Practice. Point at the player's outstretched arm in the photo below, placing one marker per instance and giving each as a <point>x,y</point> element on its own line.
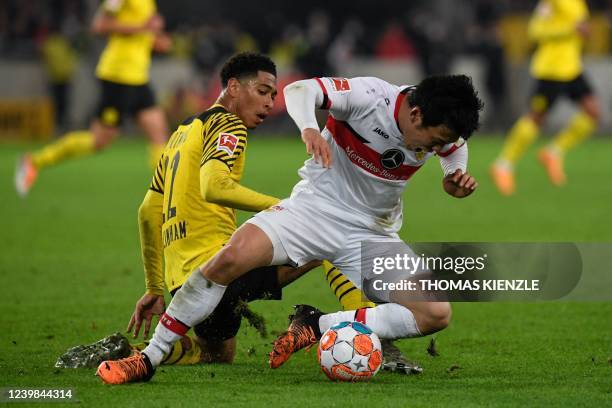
<point>288,274</point>
<point>302,99</point>
<point>217,186</point>
<point>151,246</point>
<point>150,221</point>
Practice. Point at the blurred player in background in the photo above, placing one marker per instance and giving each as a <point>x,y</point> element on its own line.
<point>559,28</point>
<point>134,30</point>
<point>61,61</point>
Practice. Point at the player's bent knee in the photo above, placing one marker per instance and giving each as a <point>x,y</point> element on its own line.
<point>100,144</point>
<point>594,112</point>
<point>590,106</point>
<point>437,317</point>
<point>441,315</point>
<point>223,266</point>
<point>102,140</point>
<point>538,117</point>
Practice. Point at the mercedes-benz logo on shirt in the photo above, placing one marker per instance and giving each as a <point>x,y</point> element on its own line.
<point>392,159</point>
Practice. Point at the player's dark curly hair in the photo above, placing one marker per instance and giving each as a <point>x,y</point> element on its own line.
<point>449,100</point>
<point>246,64</point>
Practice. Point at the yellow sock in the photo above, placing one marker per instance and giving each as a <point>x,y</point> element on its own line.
<point>349,296</point>
<point>73,144</point>
<point>521,136</point>
<point>581,127</point>
<point>155,152</point>
<point>179,355</point>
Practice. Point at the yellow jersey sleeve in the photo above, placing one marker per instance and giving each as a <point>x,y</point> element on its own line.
<point>150,221</point>
<point>157,184</point>
<point>224,139</point>
<point>218,187</point>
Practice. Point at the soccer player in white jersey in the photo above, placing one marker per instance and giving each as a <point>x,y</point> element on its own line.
<point>376,137</point>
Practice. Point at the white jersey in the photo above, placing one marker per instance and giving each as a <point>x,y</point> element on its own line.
<point>371,164</point>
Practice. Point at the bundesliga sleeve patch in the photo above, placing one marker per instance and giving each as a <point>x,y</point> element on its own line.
<point>341,84</point>
<point>227,143</point>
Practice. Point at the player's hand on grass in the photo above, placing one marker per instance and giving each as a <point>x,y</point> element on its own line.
<point>147,306</point>
<point>317,146</point>
<point>459,184</point>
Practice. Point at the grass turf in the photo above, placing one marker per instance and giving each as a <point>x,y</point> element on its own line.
<point>71,269</point>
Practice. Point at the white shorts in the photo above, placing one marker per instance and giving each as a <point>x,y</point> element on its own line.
<point>303,229</point>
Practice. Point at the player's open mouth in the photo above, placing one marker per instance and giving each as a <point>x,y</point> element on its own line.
<point>262,116</point>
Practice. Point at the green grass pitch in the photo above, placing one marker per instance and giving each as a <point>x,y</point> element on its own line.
<point>71,272</point>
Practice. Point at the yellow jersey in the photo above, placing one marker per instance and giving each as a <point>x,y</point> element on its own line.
<point>126,58</point>
<point>553,27</point>
<point>60,59</point>
<point>193,230</point>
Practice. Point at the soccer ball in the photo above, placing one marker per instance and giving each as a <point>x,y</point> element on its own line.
<point>350,351</point>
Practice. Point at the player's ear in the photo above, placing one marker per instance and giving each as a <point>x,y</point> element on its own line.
<point>233,87</point>
<point>416,116</point>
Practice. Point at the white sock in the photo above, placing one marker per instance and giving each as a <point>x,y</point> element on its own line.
<point>161,344</point>
<point>192,303</point>
<point>388,321</point>
<point>328,320</point>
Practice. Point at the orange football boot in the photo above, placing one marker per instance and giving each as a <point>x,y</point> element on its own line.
<point>136,368</point>
<point>303,332</point>
<point>25,175</point>
<point>553,163</point>
<point>503,179</point>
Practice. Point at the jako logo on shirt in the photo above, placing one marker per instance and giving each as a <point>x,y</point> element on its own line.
<point>341,84</point>
<point>381,132</point>
<point>227,143</point>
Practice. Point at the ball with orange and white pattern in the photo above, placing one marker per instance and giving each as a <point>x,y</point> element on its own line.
<point>350,351</point>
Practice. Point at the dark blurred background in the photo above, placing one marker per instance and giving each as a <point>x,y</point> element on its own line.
<point>43,43</point>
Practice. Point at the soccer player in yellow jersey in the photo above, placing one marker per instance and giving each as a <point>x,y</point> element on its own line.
<point>559,28</point>
<point>134,29</point>
<point>188,213</point>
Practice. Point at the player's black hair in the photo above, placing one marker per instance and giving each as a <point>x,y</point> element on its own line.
<point>449,100</point>
<point>246,64</point>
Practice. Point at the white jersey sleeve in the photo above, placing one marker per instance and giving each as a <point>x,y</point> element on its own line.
<point>301,100</point>
<point>349,98</point>
<point>344,98</point>
<point>454,156</point>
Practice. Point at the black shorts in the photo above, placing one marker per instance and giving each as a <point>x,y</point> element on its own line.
<point>119,100</point>
<point>224,322</point>
<point>546,93</point>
